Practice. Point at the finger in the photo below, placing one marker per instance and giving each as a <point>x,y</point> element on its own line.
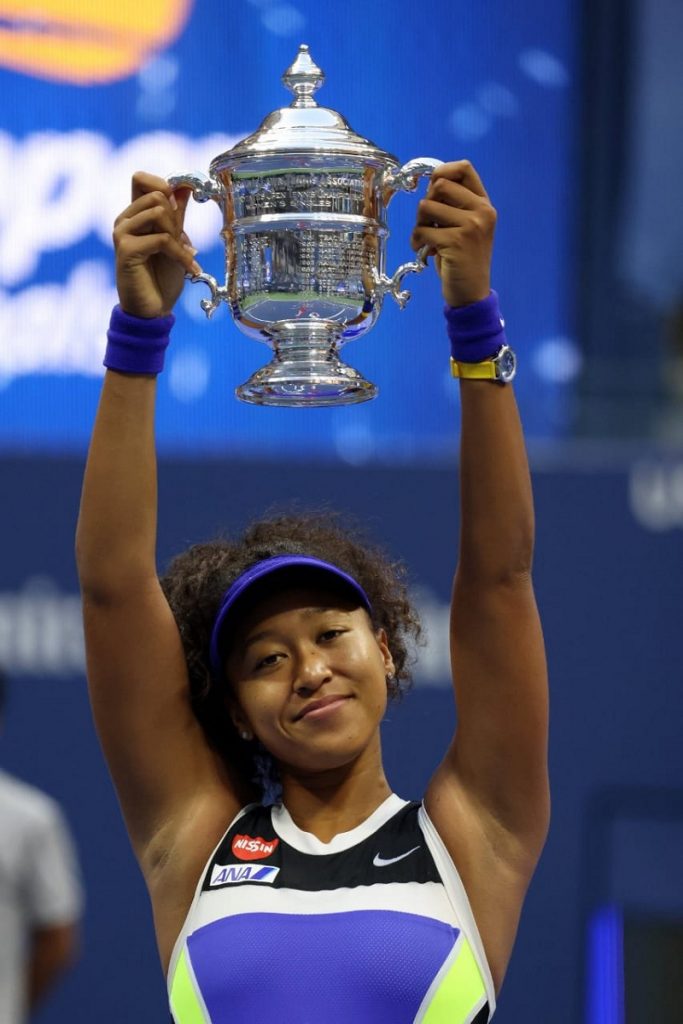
<point>187,242</point>
<point>148,222</point>
<point>147,201</point>
<point>430,213</point>
<point>143,182</point>
<point>455,194</point>
<point>136,249</point>
<point>181,197</point>
<point>435,239</point>
<point>445,226</point>
<point>461,171</point>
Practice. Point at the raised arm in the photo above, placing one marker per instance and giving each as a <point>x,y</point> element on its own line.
<point>162,767</point>
<point>489,798</point>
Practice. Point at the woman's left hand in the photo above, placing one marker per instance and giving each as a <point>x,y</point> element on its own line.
<point>457,222</point>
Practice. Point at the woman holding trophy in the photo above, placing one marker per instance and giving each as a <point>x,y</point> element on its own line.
<point>265,664</point>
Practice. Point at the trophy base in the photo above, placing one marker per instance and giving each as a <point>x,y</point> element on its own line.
<point>306,370</point>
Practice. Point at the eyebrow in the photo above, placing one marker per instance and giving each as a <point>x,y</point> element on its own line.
<point>255,637</point>
<point>266,634</point>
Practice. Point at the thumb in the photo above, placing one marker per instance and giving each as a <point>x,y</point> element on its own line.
<point>182,197</point>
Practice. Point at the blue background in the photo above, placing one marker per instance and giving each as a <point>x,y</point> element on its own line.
<point>443,80</point>
<point>609,551</point>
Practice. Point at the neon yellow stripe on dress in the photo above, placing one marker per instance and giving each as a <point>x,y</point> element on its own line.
<point>185,1005</point>
<point>461,990</point>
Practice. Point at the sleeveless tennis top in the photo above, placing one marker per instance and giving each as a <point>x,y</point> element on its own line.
<point>373,927</point>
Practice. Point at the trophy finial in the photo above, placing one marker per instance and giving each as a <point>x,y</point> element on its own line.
<point>303,78</point>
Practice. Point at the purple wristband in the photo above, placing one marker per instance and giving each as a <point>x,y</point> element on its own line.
<point>477,331</point>
<point>135,344</point>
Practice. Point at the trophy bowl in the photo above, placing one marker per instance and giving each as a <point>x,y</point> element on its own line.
<point>304,202</point>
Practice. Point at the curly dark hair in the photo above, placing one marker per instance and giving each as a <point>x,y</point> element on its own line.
<point>197,579</point>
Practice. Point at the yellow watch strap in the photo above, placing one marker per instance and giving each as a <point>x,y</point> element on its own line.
<point>474,371</point>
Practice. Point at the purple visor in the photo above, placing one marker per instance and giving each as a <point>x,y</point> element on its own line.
<point>258,572</point>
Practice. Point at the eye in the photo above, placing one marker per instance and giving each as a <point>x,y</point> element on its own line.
<point>331,634</point>
<point>268,662</point>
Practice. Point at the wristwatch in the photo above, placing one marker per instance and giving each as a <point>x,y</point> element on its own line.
<point>501,368</point>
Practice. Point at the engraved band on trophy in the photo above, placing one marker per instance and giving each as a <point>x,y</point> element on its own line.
<point>303,202</point>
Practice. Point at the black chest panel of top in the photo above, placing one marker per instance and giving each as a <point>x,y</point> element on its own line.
<point>396,852</point>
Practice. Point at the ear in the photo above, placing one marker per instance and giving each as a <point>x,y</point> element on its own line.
<point>383,644</point>
<point>237,716</point>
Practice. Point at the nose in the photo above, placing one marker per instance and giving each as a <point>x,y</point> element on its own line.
<point>312,671</point>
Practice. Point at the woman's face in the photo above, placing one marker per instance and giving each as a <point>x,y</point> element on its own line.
<point>308,679</point>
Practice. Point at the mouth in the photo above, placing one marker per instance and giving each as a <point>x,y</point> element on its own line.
<point>323,707</point>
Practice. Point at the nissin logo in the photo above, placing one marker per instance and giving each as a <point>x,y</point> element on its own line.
<point>231,874</point>
<point>253,848</point>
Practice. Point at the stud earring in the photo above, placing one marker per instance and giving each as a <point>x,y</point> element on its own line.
<point>246,736</point>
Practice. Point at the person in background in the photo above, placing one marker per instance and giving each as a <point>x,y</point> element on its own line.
<point>41,897</point>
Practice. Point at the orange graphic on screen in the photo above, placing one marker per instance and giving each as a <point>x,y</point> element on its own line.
<point>86,42</point>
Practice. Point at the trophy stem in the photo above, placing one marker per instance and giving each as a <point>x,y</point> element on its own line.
<point>306,369</point>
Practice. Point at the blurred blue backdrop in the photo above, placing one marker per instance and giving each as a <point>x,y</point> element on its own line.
<point>444,81</point>
<point>609,551</point>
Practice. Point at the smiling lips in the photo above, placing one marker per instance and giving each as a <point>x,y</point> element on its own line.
<point>324,706</point>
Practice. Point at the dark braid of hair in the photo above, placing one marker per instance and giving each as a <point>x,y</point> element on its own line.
<point>197,579</point>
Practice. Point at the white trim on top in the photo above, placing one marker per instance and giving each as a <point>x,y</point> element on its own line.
<point>306,842</point>
<point>458,896</point>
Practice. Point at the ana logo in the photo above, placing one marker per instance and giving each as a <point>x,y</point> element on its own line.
<point>231,874</point>
<point>250,848</point>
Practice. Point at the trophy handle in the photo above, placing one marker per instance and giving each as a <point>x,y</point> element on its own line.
<point>392,285</point>
<point>405,179</point>
<point>204,189</point>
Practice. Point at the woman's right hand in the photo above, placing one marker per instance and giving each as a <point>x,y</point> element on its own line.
<point>153,253</point>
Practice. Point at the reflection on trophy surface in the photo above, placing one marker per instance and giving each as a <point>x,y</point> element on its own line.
<point>304,201</point>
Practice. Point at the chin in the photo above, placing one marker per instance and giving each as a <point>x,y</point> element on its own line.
<point>332,754</point>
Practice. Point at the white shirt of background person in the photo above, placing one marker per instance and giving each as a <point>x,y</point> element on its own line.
<point>41,897</point>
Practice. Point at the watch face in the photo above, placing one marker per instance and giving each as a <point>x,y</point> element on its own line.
<point>507,365</point>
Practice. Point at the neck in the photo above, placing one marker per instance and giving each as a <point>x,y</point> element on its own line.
<point>337,800</point>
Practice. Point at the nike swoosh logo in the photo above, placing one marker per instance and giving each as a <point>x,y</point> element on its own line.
<point>380,862</point>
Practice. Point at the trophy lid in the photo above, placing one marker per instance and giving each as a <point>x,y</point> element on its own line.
<point>303,128</point>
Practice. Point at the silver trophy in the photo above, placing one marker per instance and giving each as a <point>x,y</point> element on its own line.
<point>303,202</point>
